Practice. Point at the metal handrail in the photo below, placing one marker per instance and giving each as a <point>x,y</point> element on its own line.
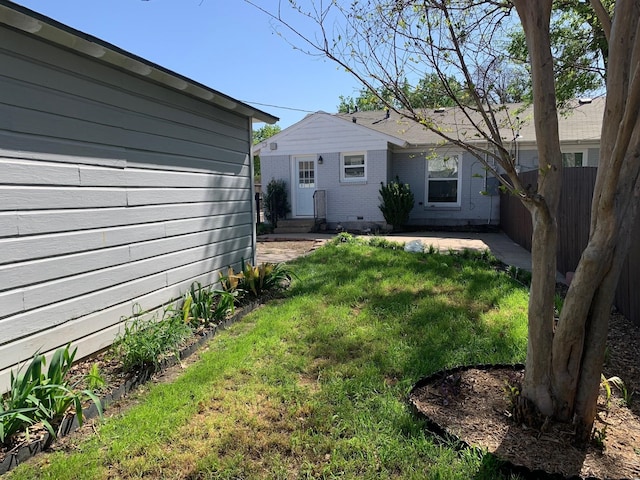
<point>319,205</point>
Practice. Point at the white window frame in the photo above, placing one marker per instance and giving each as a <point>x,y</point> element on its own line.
<point>343,167</point>
<point>458,201</point>
<point>585,159</point>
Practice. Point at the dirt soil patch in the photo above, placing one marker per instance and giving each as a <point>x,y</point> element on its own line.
<point>473,406</point>
<point>275,251</point>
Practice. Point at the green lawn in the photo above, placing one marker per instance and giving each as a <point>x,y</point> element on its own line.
<point>314,385</point>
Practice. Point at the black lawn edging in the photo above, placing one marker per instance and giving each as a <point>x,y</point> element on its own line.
<point>443,433</point>
<point>70,423</point>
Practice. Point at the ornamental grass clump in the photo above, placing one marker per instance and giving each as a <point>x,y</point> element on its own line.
<point>39,396</point>
<point>145,341</point>
<point>204,306</point>
<point>256,280</point>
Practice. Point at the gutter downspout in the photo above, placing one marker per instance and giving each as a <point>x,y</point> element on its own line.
<point>254,235</point>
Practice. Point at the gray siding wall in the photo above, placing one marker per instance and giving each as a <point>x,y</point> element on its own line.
<point>528,156</point>
<point>114,192</point>
<point>346,202</point>
<point>474,209</point>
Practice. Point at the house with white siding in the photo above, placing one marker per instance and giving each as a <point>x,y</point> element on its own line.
<point>335,164</point>
<point>121,183</point>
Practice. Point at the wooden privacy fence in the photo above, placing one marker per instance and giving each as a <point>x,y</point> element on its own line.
<point>574,215</point>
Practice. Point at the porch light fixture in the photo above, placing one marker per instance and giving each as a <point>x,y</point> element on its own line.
<point>320,160</point>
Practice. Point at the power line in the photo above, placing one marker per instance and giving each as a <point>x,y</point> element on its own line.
<point>277,106</point>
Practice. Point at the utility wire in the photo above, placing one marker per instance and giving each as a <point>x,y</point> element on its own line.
<point>276,106</point>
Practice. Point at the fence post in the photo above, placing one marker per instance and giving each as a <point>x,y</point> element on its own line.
<point>257,198</point>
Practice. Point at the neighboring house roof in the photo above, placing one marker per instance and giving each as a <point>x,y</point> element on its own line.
<point>315,122</point>
<point>49,30</point>
<point>581,121</point>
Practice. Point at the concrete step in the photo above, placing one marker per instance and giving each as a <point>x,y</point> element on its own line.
<point>296,225</point>
<point>293,230</point>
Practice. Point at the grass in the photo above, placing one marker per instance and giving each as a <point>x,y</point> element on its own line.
<point>315,385</point>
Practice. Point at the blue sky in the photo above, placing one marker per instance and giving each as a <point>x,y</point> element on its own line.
<point>227,45</point>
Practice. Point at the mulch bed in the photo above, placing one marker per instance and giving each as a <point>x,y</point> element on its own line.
<point>471,405</point>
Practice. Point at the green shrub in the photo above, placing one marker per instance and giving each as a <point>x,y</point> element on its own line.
<point>381,242</point>
<point>344,237</point>
<point>276,201</point>
<point>397,202</point>
<point>263,229</point>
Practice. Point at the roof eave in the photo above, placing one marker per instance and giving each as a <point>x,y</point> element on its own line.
<point>46,28</point>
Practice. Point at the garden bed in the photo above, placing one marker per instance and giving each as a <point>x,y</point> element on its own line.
<point>471,405</point>
<point>118,385</point>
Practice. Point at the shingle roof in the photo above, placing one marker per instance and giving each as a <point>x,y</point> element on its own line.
<point>581,121</point>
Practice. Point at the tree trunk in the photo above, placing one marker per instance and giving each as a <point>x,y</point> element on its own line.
<point>535,17</point>
<point>580,340</point>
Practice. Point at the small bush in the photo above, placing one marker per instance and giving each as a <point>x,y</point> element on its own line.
<point>381,242</point>
<point>397,203</point>
<point>276,201</point>
<point>263,229</point>
<point>344,237</point>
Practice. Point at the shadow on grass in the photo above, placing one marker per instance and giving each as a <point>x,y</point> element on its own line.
<point>424,312</point>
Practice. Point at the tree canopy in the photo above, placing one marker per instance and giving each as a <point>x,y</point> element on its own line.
<point>260,135</point>
<point>579,47</point>
<point>429,92</point>
<point>267,131</point>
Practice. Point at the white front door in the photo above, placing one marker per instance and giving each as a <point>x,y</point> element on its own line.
<point>305,185</point>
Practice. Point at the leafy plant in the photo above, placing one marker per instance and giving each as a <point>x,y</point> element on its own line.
<point>617,382</point>
<point>256,279</point>
<point>620,385</point>
<point>599,437</point>
<point>203,306</point>
<point>263,228</point>
<point>144,341</point>
<point>230,281</point>
<point>276,201</point>
<point>344,237</point>
<point>382,242</point>
<point>225,304</point>
<point>558,302</point>
<point>397,203</point>
<point>14,420</point>
<point>198,305</point>
<point>520,275</point>
<point>42,396</point>
<point>604,383</point>
<point>94,379</point>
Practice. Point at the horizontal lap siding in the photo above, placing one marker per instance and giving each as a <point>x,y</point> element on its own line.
<point>114,192</point>
<point>476,207</point>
